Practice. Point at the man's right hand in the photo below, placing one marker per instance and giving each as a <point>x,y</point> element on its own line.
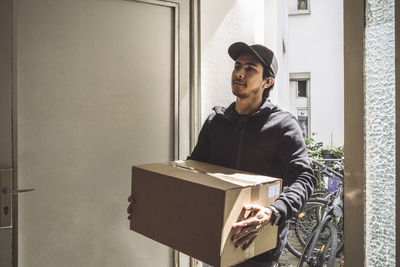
<point>131,200</point>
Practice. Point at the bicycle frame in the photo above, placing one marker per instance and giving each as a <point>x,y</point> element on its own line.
<point>332,211</point>
<point>317,229</point>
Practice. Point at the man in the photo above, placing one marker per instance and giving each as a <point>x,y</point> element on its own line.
<point>254,135</point>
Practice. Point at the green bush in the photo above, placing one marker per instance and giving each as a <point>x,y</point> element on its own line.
<point>318,151</point>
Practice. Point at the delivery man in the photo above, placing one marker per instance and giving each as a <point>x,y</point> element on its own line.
<point>256,136</point>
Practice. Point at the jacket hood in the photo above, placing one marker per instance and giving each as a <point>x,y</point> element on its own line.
<point>266,108</point>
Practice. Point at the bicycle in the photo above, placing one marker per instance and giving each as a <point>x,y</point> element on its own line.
<point>301,225</point>
<point>322,244</point>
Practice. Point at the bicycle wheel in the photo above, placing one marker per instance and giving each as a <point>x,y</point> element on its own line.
<point>292,243</point>
<point>301,226</point>
<point>320,250</point>
<point>340,230</point>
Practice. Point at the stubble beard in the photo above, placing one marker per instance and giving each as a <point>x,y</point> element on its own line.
<point>243,95</point>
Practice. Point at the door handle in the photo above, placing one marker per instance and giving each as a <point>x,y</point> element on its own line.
<point>6,194</point>
<point>5,199</point>
<point>8,191</point>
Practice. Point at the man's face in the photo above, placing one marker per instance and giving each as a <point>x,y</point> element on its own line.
<point>247,78</point>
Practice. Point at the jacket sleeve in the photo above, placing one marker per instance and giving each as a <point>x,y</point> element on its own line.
<point>201,151</point>
<point>298,177</point>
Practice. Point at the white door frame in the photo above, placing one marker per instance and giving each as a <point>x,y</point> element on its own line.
<point>194,69</point>
<point>194,73</point>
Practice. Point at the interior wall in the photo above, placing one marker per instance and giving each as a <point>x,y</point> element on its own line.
<point>222,23</point>
<point>276,37</point>
<point>228,21</point>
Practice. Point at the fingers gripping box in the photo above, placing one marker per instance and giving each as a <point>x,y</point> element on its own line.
<point>190,206</point>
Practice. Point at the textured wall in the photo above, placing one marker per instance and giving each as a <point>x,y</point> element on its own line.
<point>380,133</point>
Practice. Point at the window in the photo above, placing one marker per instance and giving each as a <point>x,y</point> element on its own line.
<point>300,100</point>
<point>301,88</point>
<point>302,4</point>
<point>299,7</point>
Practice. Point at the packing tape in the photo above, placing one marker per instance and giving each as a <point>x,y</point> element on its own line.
<point>255,193</point>
<point>240,179</point>
<point>182,165</point>
<point>250,251</point>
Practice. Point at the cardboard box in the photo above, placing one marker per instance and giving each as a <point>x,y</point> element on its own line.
<point>190,206</point>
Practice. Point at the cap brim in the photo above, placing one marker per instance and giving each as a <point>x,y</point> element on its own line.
<point>238,48</point>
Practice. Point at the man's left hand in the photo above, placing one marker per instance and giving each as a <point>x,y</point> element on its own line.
<point>248,229</point>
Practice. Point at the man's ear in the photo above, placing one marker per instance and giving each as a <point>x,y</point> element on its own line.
<point>269,81</point>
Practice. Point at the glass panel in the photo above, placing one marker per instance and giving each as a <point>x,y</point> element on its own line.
<point>302,88</point>
<point>303,122</point>
<point>302,117</point>
<point>380,134</point>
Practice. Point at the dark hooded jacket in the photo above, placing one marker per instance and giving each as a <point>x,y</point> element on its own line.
<point>267,142</point>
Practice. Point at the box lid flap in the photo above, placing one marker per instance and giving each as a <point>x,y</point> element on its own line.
<point>204,173</point>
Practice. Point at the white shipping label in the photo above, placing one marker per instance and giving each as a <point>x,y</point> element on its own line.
<point>273,190</point>
<point>250,251</point>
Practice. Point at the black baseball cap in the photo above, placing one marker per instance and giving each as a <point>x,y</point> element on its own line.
<point>264,54</point>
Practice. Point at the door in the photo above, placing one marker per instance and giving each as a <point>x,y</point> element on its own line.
<point>102,85</point>
<point>6,155</point>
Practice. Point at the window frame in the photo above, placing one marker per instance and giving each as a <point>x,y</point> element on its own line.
<point>354,132</point>
<point>303,76</point>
